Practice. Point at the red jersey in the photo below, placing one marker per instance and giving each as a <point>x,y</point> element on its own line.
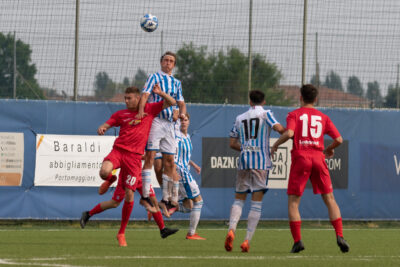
<point>133,133</point>
<point>309,126</point>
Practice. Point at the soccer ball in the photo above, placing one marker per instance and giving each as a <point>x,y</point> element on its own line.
<point>149,23</point>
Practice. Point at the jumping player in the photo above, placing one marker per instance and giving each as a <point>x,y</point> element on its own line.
<point>307,126</point>
<point>250,135</point>
<point>162,135</point>
<point>126,154</point>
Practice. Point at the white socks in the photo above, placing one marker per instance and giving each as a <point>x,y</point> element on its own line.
<point>236,212</point>
<point>195,216</point>
<point>146,180</point>
<point>165,191</point>
<point>175,191</point>
<point>254,217</point>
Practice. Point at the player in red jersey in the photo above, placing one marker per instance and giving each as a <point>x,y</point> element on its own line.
<point>307,126</point>
<point>127,154</point>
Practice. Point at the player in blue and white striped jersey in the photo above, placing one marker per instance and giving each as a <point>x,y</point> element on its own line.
<point>250,135</point>
<point>190,199</point>
<point>252,129</point>
<point>184,144</point>
<point>162,134</point>
<point>170,85</point>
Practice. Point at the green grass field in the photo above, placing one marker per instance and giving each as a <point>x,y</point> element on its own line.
<point>65,244</point>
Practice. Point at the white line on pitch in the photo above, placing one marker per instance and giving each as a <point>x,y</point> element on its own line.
<point>22,263</point>
<point>255,258</point>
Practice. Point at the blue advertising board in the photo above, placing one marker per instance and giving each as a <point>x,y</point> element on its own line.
<point>366,178</point>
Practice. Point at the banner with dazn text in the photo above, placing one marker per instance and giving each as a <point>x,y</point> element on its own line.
<point>220,164</point>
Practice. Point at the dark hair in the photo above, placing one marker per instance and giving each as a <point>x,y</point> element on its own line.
<point>256,96</point>
<point>187,115</point>
<point>132,90</point>
<point>168,53</point>
<point>309,93</point>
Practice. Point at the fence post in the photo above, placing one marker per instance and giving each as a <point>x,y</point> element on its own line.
<point>76,50</point>
<point>303,61</point>
<point>250,50</point>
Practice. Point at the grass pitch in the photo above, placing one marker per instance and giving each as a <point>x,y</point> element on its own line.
<point>65,244</point>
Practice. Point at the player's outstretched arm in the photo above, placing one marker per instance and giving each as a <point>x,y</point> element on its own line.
<point>330,150</point>
<point>234,143</point>
<point>142,104</point>
<point>195,166</point>
<point>282,139</point>
<point>168,100</point>
<point>182,109</point>
<point>279,128</point>
<point>103,129</point>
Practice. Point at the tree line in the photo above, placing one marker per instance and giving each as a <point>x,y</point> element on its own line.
<point>206,77</point>
<point>354,86</point>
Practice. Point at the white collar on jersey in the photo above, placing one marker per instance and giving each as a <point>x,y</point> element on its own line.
<point>163,73</point>
<point>256,107</point>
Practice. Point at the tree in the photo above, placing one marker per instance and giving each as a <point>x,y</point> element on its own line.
<point>314,81</point>
<point>104,86</point>
<point>222,78</point>
<point>26,83</point>
<point>333,81</point>
<point>354,86</point>
<point>126,82</point>
<point>374,94</point>
<point>140,78</point>
<point>195,70</point>
<point>391,97</point>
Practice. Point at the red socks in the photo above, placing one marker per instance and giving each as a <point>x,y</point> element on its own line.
<point>295,228</point>
<point>95,210</point>
<point>126,214</point>
<point>159,219</point>
<point>338,225</point>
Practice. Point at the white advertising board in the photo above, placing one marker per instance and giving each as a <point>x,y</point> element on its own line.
<point>72,160</point>
<point>11,158</point>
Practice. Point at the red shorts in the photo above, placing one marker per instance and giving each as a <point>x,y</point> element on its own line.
<point>130,175</point>
<point>305,165</point>
<point>119,193</point>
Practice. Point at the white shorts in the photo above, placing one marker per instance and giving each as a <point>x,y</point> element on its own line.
<point>251,180</point>
<point>188,187</point>
<point>162,137</point>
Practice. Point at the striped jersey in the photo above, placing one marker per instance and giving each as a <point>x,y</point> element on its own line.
<point>184,148</point>
<point>253,129</point>
<point>169,85</point>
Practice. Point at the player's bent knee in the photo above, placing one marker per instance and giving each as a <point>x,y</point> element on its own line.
<point>328,198</point>
<point>104,174</point>
<point>188,204</point>
<point>169,164</point>
<point>106,168</point>
<point>197,199</point>
<point>258,196</point>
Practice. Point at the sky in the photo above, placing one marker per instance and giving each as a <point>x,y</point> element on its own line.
<point>355,37</point>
